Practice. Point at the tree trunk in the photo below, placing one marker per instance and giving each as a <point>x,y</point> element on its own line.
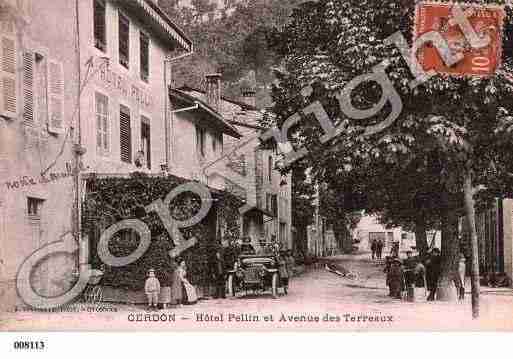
<point>302,239</point>
<point>471,221</point>
<point>421,236</point>
<point>450,251</point>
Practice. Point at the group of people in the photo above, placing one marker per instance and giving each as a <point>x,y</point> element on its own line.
<point>377,248</point>
<point>415,272</point>
<point>180,291</point>
<point>177,289</point>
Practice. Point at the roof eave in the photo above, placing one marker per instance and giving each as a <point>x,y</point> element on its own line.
<point>226,127</point>
<point>153,16</point>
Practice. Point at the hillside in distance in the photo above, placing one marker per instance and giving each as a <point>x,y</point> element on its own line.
<point>230,37</point>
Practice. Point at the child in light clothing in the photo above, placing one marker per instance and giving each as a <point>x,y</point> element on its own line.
<point>152,289</point>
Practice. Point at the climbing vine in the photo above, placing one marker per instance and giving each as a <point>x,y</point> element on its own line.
<point>110,200</point>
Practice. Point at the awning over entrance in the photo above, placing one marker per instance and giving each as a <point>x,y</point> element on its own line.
<point>259,211</point>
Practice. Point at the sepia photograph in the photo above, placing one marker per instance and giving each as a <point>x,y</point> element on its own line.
<point>255,166</point>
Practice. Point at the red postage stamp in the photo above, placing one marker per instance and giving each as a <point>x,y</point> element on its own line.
<point>485,20</point>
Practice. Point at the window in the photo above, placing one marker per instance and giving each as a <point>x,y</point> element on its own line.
<point>102,123</point>
<point>125,134</point>
<point>200,140</point>
<point>124,41</point>
<point>100,37</point>
<point>146,140</point>
<point>145,56</point>
<point>34,206</point>
<point>8,65</point>
<point>217,143</point>
<point>42,88</point>
<point>270,168</point>
<point>268,202</point>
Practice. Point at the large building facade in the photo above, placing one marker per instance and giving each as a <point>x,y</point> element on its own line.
<point>83,87</point>
<point>85,90</point>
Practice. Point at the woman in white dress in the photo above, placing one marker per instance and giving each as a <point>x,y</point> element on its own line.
<point>190,296</point>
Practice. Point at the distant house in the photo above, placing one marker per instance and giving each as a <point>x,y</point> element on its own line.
<point>369,228</point>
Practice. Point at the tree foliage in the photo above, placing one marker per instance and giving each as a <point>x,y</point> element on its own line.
<point>448,127</point>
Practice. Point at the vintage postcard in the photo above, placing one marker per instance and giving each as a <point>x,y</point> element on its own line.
<point>250,165</point>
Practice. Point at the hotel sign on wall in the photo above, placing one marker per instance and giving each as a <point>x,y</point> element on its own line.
<point>124,86</point>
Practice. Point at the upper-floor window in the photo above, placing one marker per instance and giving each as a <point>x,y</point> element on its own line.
<point>102,122</point>
<point>145,56</point>
<point>125,134</point>
<point>124,40</point>
<point>214,144</point>
<point>217,143</point>
<point>200,140</point>
<point>146,140</point>
<point>100,35</point>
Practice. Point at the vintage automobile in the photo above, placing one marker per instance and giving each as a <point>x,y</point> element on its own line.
<point>257,273</point>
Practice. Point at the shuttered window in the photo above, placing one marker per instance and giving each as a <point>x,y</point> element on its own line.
<point>102,123</point>
<point>41,89</point>
<point>145,56</point>
<point>56,97</point>
<point>100,35</point>
<point>125,134</point>
<point>200,141</point>
<point>28,88</point>
<point>146,140</point>
<point>8,88</point>
<point>124,40</point>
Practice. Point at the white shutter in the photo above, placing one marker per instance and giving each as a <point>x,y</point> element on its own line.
<point>56,98</point>
<point>28,88</point>
<point>8,83</point>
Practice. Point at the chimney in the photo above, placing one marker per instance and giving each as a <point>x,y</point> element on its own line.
<point>248,89</point>
<point>213,90</point>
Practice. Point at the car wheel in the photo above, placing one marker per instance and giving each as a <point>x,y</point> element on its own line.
<point>275,285</point>
<point>231,291</point>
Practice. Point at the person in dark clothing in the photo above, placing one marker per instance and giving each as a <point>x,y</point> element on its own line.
<point>379,248</point>
<point>374,249</point>
<point>394,252</point>
<point>396,278</point>
<point>219,275</point>
<point>409,275</point>
<point>433,271</point>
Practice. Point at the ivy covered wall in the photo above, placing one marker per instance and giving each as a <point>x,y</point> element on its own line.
<point>109,200</point>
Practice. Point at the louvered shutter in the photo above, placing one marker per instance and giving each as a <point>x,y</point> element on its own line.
<point>125,135</point>
<point>28,88</point>
<point>8,85</point>
<point>56,98</point>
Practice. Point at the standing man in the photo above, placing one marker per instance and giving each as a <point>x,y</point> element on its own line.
<point>433,271</point>
<point>219,275</point>
<point>374,248</point>
<point>409,275</point>
<point>379,248</point>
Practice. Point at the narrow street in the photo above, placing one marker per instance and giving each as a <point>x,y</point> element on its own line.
<point>316,299</point>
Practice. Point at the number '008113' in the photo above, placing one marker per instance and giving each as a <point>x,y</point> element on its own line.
<point>29,345</point>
